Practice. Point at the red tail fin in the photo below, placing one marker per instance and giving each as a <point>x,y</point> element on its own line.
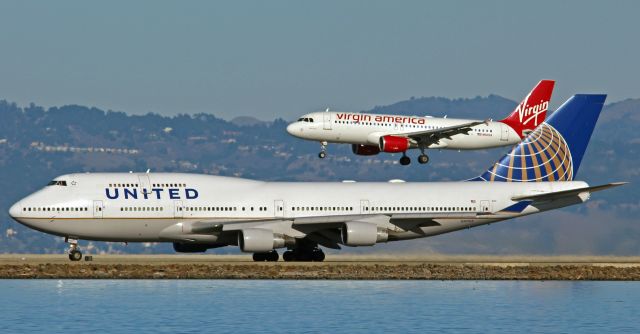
<point>532,110</point>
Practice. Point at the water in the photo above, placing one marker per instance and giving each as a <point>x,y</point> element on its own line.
<point>220,306</point>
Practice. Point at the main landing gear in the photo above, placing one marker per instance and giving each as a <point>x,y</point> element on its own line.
<point>315,255</point>
<point>323,150</point>
<point>74,253</point>
<point>304,250</point>
<point>271,256</point>
<point>405,160</point>
<point>422,159</point>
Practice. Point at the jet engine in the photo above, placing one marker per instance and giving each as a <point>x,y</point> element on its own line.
<point>360,149</point>
<point>362,234</point>
<point>393,144</point>
<point>258,240</point>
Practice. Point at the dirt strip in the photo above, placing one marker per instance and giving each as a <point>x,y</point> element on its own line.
<point>334,271</point>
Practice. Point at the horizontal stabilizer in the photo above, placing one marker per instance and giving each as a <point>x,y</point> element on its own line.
<point>565,193</point>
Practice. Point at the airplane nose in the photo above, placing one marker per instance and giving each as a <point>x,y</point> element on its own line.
<point>14,211</point>
<point>293,128</point>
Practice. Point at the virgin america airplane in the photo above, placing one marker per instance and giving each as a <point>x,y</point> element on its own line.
<point>370,134</point>
<point>199,212</point>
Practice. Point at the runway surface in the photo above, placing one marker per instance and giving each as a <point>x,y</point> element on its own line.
<point>341,259</point>
<point>341,267</point>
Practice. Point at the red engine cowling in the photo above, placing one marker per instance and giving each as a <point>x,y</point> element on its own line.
<point>393,144</point>
<point>360,149</point>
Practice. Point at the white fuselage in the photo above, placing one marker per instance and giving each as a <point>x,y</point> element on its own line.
<point>165,206</point>
<point>366,129</point>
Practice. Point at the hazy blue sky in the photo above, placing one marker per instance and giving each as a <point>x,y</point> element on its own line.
<point>284,58</point>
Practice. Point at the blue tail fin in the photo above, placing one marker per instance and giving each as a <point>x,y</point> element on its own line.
<point>554,150</point>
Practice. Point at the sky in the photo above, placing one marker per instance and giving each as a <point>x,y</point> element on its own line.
<point>271,59</point>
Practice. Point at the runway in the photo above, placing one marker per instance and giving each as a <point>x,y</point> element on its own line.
<point>339,267</point>
<point>163,259</point>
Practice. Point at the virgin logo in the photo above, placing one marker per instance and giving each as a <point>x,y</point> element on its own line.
<point>528,113</point>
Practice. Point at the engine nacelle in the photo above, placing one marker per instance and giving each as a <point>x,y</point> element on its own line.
<point>258,240</point>
<point>362,234</point>
<point>393,144</point>
<point>360,149</point>
<point>189,248</point>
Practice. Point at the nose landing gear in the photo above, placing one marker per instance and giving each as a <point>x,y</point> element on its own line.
<point>74,252</point>
<point>323,150</point>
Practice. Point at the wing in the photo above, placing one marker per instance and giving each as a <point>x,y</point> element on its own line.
<point>429,137</point>
<point>324,230</point>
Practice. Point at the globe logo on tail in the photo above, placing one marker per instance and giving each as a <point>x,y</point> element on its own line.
<point>543,156</point>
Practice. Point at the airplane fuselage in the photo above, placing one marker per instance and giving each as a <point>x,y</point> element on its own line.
<point>366,129</point>
<point>167,207</point>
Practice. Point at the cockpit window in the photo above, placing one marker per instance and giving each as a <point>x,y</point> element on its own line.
<point>57,183</point>
<point>306,119</point>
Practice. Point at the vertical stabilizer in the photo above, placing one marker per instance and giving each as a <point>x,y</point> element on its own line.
<point>532,110</point>
<point>554,150</point>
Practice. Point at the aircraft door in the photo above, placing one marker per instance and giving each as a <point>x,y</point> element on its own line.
<point>278,208</point>
<point>327,121</point>
<point>504,132</point>
<point>178,209</point>
<point>143,183</point>
<point>97,209</point>
<point>485,206</point>
<point>364,206</point>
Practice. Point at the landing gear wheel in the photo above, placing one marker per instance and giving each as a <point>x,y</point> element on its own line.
<point>75,255</point>
<point>288,256</point>
<point>273,256</point>
<point>423,159</point>
<point>317,255</point>
<point>405,160</point>
<point>323,150</point>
